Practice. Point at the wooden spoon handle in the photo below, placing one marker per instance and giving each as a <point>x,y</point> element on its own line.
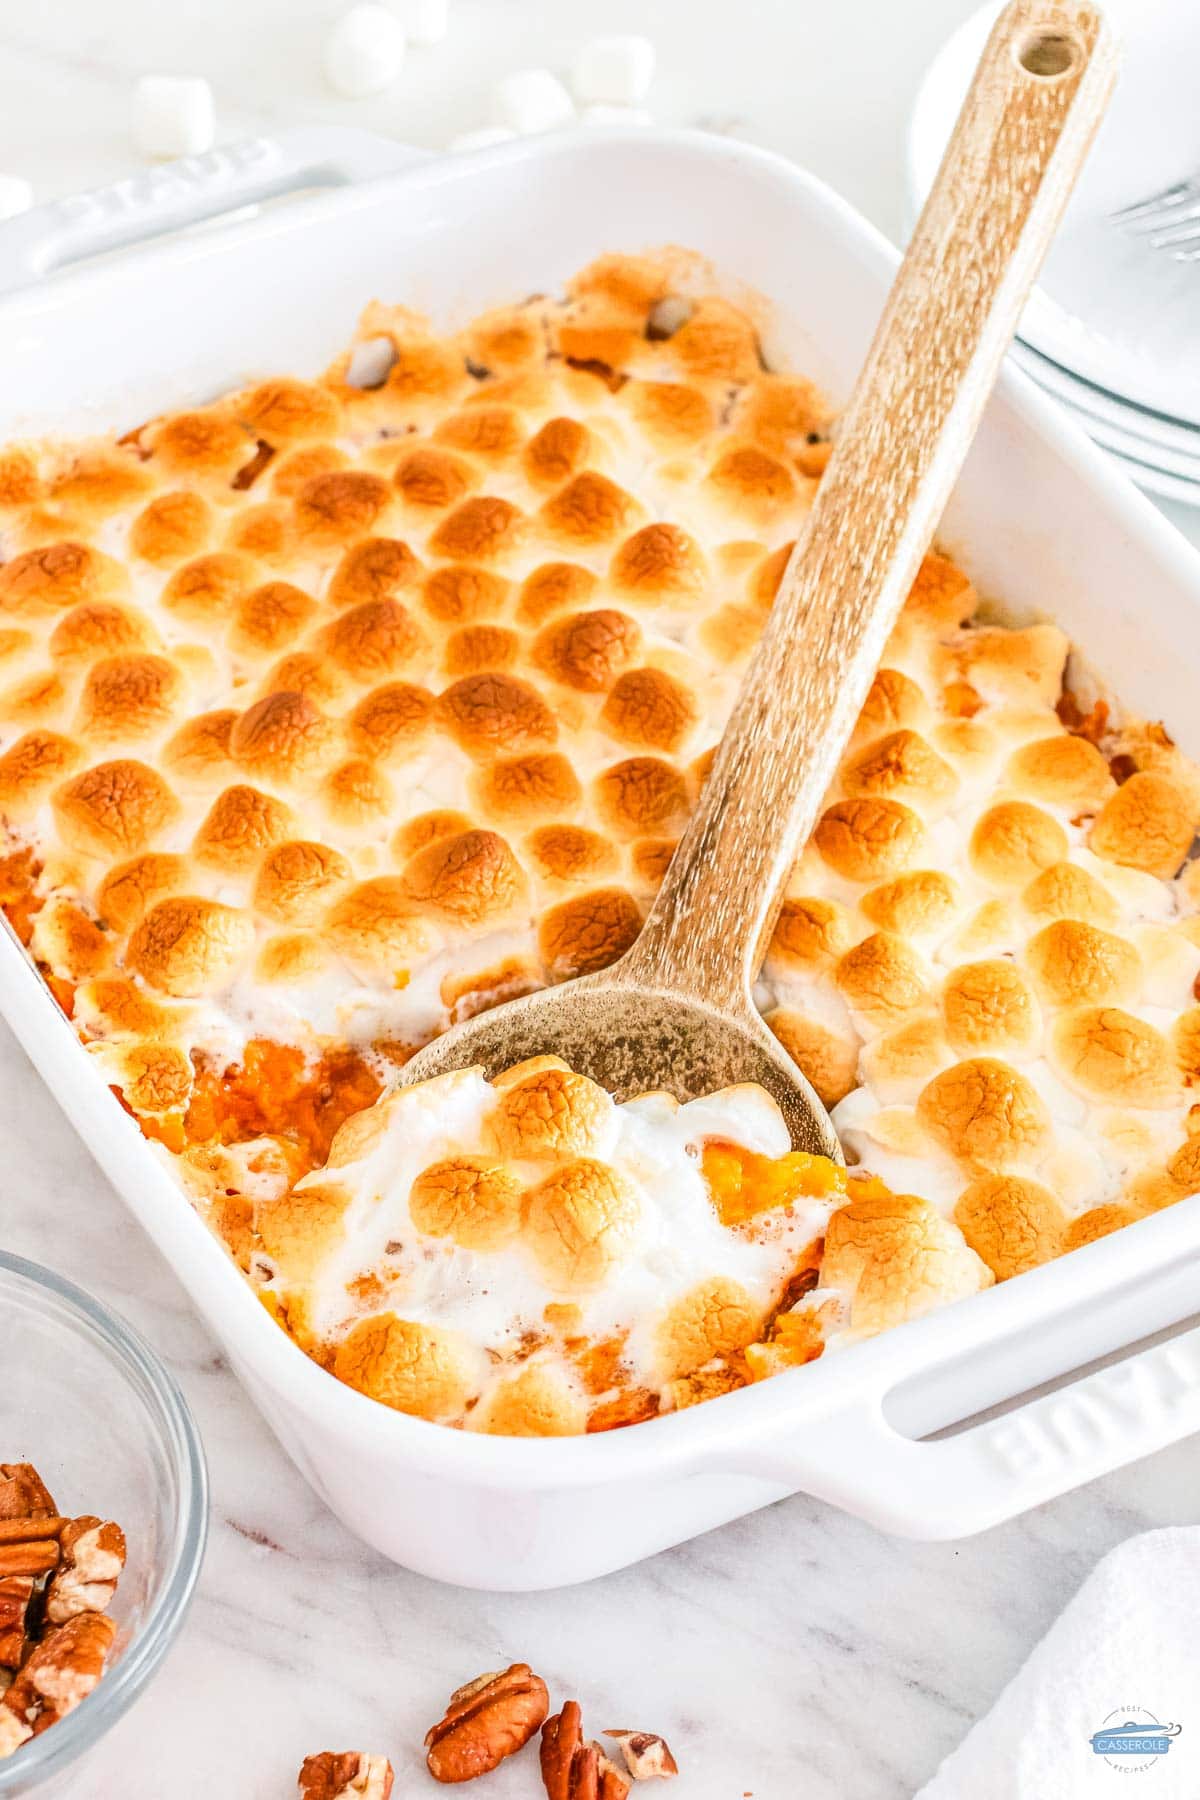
<point>1024,130</point>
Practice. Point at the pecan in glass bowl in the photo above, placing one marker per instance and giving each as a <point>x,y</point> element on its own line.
<point>88,1404</point>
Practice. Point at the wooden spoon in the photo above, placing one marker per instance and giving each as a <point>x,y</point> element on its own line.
<point>676,1011</point>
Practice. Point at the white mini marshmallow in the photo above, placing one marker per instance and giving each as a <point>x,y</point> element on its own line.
<point>616,70</point>
<point>428,21</point>
<point>16,196</point>
<point>483,139</point>
<point>531,100</point>
<point>364,52</point>
<point>173,116</point>
<point>604,114</point>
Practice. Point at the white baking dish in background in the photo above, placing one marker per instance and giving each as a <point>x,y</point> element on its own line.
<point>1038,518</point>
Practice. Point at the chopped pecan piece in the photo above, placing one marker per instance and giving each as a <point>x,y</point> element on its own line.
<point>61,1671</point>
<point>16,1592</point>
<point>13,1732</point>
<point>345,1775</point>
<point>37,1556</point>
<point>487,1720</point>
<point>23,1493</point>
<point>93,1555</point>
<point>573,1770</point>
<point>646,1754</point>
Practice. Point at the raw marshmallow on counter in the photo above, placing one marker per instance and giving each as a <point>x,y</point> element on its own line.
<point>427,20</point>
<point>364,52</point>
<point>614,71</point>
<point>531,100</point>
<point>173,116</point>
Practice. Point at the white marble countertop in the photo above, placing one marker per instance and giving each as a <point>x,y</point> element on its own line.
<point>795,1640</point>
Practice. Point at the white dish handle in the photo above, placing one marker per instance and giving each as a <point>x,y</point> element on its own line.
<point>189,190</point>
<point>969,1480</point>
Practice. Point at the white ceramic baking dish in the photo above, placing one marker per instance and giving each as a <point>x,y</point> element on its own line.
<point>1040,520</point>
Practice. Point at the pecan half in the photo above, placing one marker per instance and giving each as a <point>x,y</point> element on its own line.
<point>93,1555</point>
<point>345,1775</point>
<point>37,1556</point>
<point>573,1770</point>
<point>61,1671</point>
<point>487,1720</point>
<point>646,1754</point>
<point>23,1493</point>
<point>16,1592</point>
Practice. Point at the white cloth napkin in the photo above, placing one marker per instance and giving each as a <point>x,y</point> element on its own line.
<point>1126,1648</point>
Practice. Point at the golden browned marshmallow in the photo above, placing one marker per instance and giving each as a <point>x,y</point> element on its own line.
<point>1112,1055</point>
<point>894,703</point>
<point>420,1369</point>
<point>810,933</point>
<point>209,588</point>
<point>494,713</point>
<point>376,568</point>
<point>1013,840</point>
<point>587,650</point>
<point>1148,824</point>
<point>918,904</point>
<point>896,1258</point>
<point>114,808</point>
<point>390,721</point>
<point>154,1078</point>
<point>172,528</point>
<point>557,452</point>
<point>130,888</point>
<point>901,766</point>
<point>475,648</point>
<point>1185,1039</point>
<point>649,709</point>
<point>899,1062</point>
<point>671,414</point>
<point>186,946</point>
<point>1065,891</point>
<point>493,434</point>
<point>989,1007</point>
<point>716,1318</point>
<point>549,1115</point>
<point>283,737</point>
<point>198,753</point>
<point>428,828</point>
<point>718,342</point>
<point>240,827</point>
<point>57,576</point>
<point>536,1402</point>
<point>480,529</point>
<point>128,697</point>
<point>293,468</point>
<point>643,796</point>
<point>206,445</point>
<point>553,588</point>
<point>660,565</point>
<point>1010,665</point>
<point>1095,1224</point>
<point>117,1007</point>
<point>828,1061</point>
<point>587,932</point>
<point>473,1200</point>
<point>285,411</point>
<point>1013,1223</point>
<point>338,507</point>
<point>20,480</point>
<point>465,880</point>
<point>358,795</point>
<point>291,956</point>
<point>578,1223</point>
<point>568,853</point>
<point>1064,770</point>
<point>591,510</point>
<point>98,628</point>
<point>39,700</point>
<point>374,640</point>
<point>32,765</point>
<point>269,618</point>
<point>757,487</point>
<point>519,789</point>
<point>99,483</point>
<point>68,942</point>
<point>882,978</point>
<point>305,672</point>
<point>379,924</point>
<point>941,597</point>
<point>461,594</point>
<point>869,839</point>
<point>985,1114</point>
<point>1075,964</point>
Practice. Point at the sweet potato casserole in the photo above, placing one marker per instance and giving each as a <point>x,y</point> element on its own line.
<point>334,711</point>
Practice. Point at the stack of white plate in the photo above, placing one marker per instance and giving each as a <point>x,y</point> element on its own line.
<point>1113,331</point>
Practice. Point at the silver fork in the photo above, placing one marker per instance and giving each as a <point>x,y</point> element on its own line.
<point>1168,220</point>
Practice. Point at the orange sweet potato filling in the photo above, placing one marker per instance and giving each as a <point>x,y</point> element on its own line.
<point>743,1183</point>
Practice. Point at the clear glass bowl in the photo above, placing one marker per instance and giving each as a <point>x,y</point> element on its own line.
<point>85,1400</point>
